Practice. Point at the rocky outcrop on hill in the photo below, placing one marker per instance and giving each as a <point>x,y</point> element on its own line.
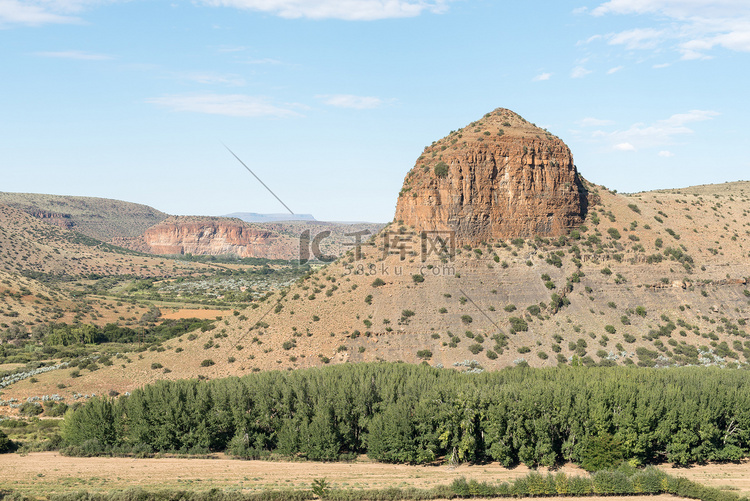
<point>60,219</point>
<point>498,177</point>
<point>216,236</point>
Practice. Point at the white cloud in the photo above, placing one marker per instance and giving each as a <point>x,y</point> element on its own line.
<point>674,8</point>
<point>579,72</point>
<point>350,101</point>
<point>665,154</point>
<point>30,14</point>
<point>639,38</point>
<point>39,12</point>
<point>75,54</point>
<point>614,70</point>
<point>233,105</point>
<point>350,10</point>
<point>541,77</point>
<point>691,27</point>
<point>658,134</point>
<point>594,122</point>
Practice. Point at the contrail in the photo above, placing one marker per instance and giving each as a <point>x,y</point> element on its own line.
<point>259,180</point>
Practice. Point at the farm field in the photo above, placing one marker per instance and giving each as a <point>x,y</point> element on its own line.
<point>45,473</point>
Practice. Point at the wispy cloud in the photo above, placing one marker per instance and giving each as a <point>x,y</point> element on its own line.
<point>31,14</point>
<point>579,72</point>
<point>351,10</point>
<point>691,27</point>
<point>542,77</point>
<point>40,12</point>
<point>74,54</point>
<point>614,70</point>
<point>638,38</point>
<point>233,105</point>
<point>658,134</point>
<point>594,122</point>
<point>665,154</point>
<point>353,102</point>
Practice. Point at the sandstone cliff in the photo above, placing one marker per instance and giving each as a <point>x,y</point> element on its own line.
<point>216,236</point>
<point>499,177</point>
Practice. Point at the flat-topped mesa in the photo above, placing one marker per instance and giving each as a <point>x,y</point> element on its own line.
<point>210,236</point>
<point>499,177</point>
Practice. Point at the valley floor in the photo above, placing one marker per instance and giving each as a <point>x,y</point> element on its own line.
<point>45,473</point>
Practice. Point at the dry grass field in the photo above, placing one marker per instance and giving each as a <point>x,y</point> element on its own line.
<point>44,473</point>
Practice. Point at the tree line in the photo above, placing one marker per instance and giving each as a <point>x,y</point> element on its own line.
<point>417,414</point>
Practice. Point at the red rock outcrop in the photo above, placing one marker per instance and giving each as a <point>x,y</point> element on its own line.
<point>216,236</point>
<point>499,177</point>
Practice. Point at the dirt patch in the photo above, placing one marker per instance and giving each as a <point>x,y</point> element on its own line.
<point>734,477</point>
<point>192,313</point>
<point>48,472</point>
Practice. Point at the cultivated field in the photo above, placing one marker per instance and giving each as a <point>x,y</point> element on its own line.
<point>48,472</point>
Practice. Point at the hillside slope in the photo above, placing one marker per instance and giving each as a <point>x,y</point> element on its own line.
<point>655,279</point>
<point>646,298</point>
<point>100,218</point>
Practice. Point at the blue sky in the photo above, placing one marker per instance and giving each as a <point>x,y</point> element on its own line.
<point>331,102</point>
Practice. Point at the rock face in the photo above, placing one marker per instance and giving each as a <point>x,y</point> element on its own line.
<point>64,221</point>
<point>215,236</point>
<point>499,177</point>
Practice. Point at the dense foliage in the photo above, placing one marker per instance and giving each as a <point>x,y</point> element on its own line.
<point>6,445</point>
<point>415,414</point>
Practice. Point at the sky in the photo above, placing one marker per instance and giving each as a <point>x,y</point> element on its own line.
<point>330,102</point>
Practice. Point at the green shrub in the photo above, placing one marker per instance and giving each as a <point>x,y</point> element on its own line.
<point>612,482</point>
<point>614,233</point>
<point>207,363</point>
<point>601,452</point>
<point>441,170</point>
<point>30,409</point>
<point>6,444</point>
<point>518,324</point>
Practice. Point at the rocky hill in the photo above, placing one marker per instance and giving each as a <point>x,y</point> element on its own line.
<point>144,229</point>
<point>201,235</point>
<point>498,177</point>
<point>215,236</point>
<point>100,218</point>
<point>653,279</point>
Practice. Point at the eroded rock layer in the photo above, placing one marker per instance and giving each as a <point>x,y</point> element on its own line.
<point>215,236</point>
<point>499,177</point>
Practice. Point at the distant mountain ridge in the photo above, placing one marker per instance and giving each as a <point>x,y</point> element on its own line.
<point>145,229</point>
<point>255,217</point>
